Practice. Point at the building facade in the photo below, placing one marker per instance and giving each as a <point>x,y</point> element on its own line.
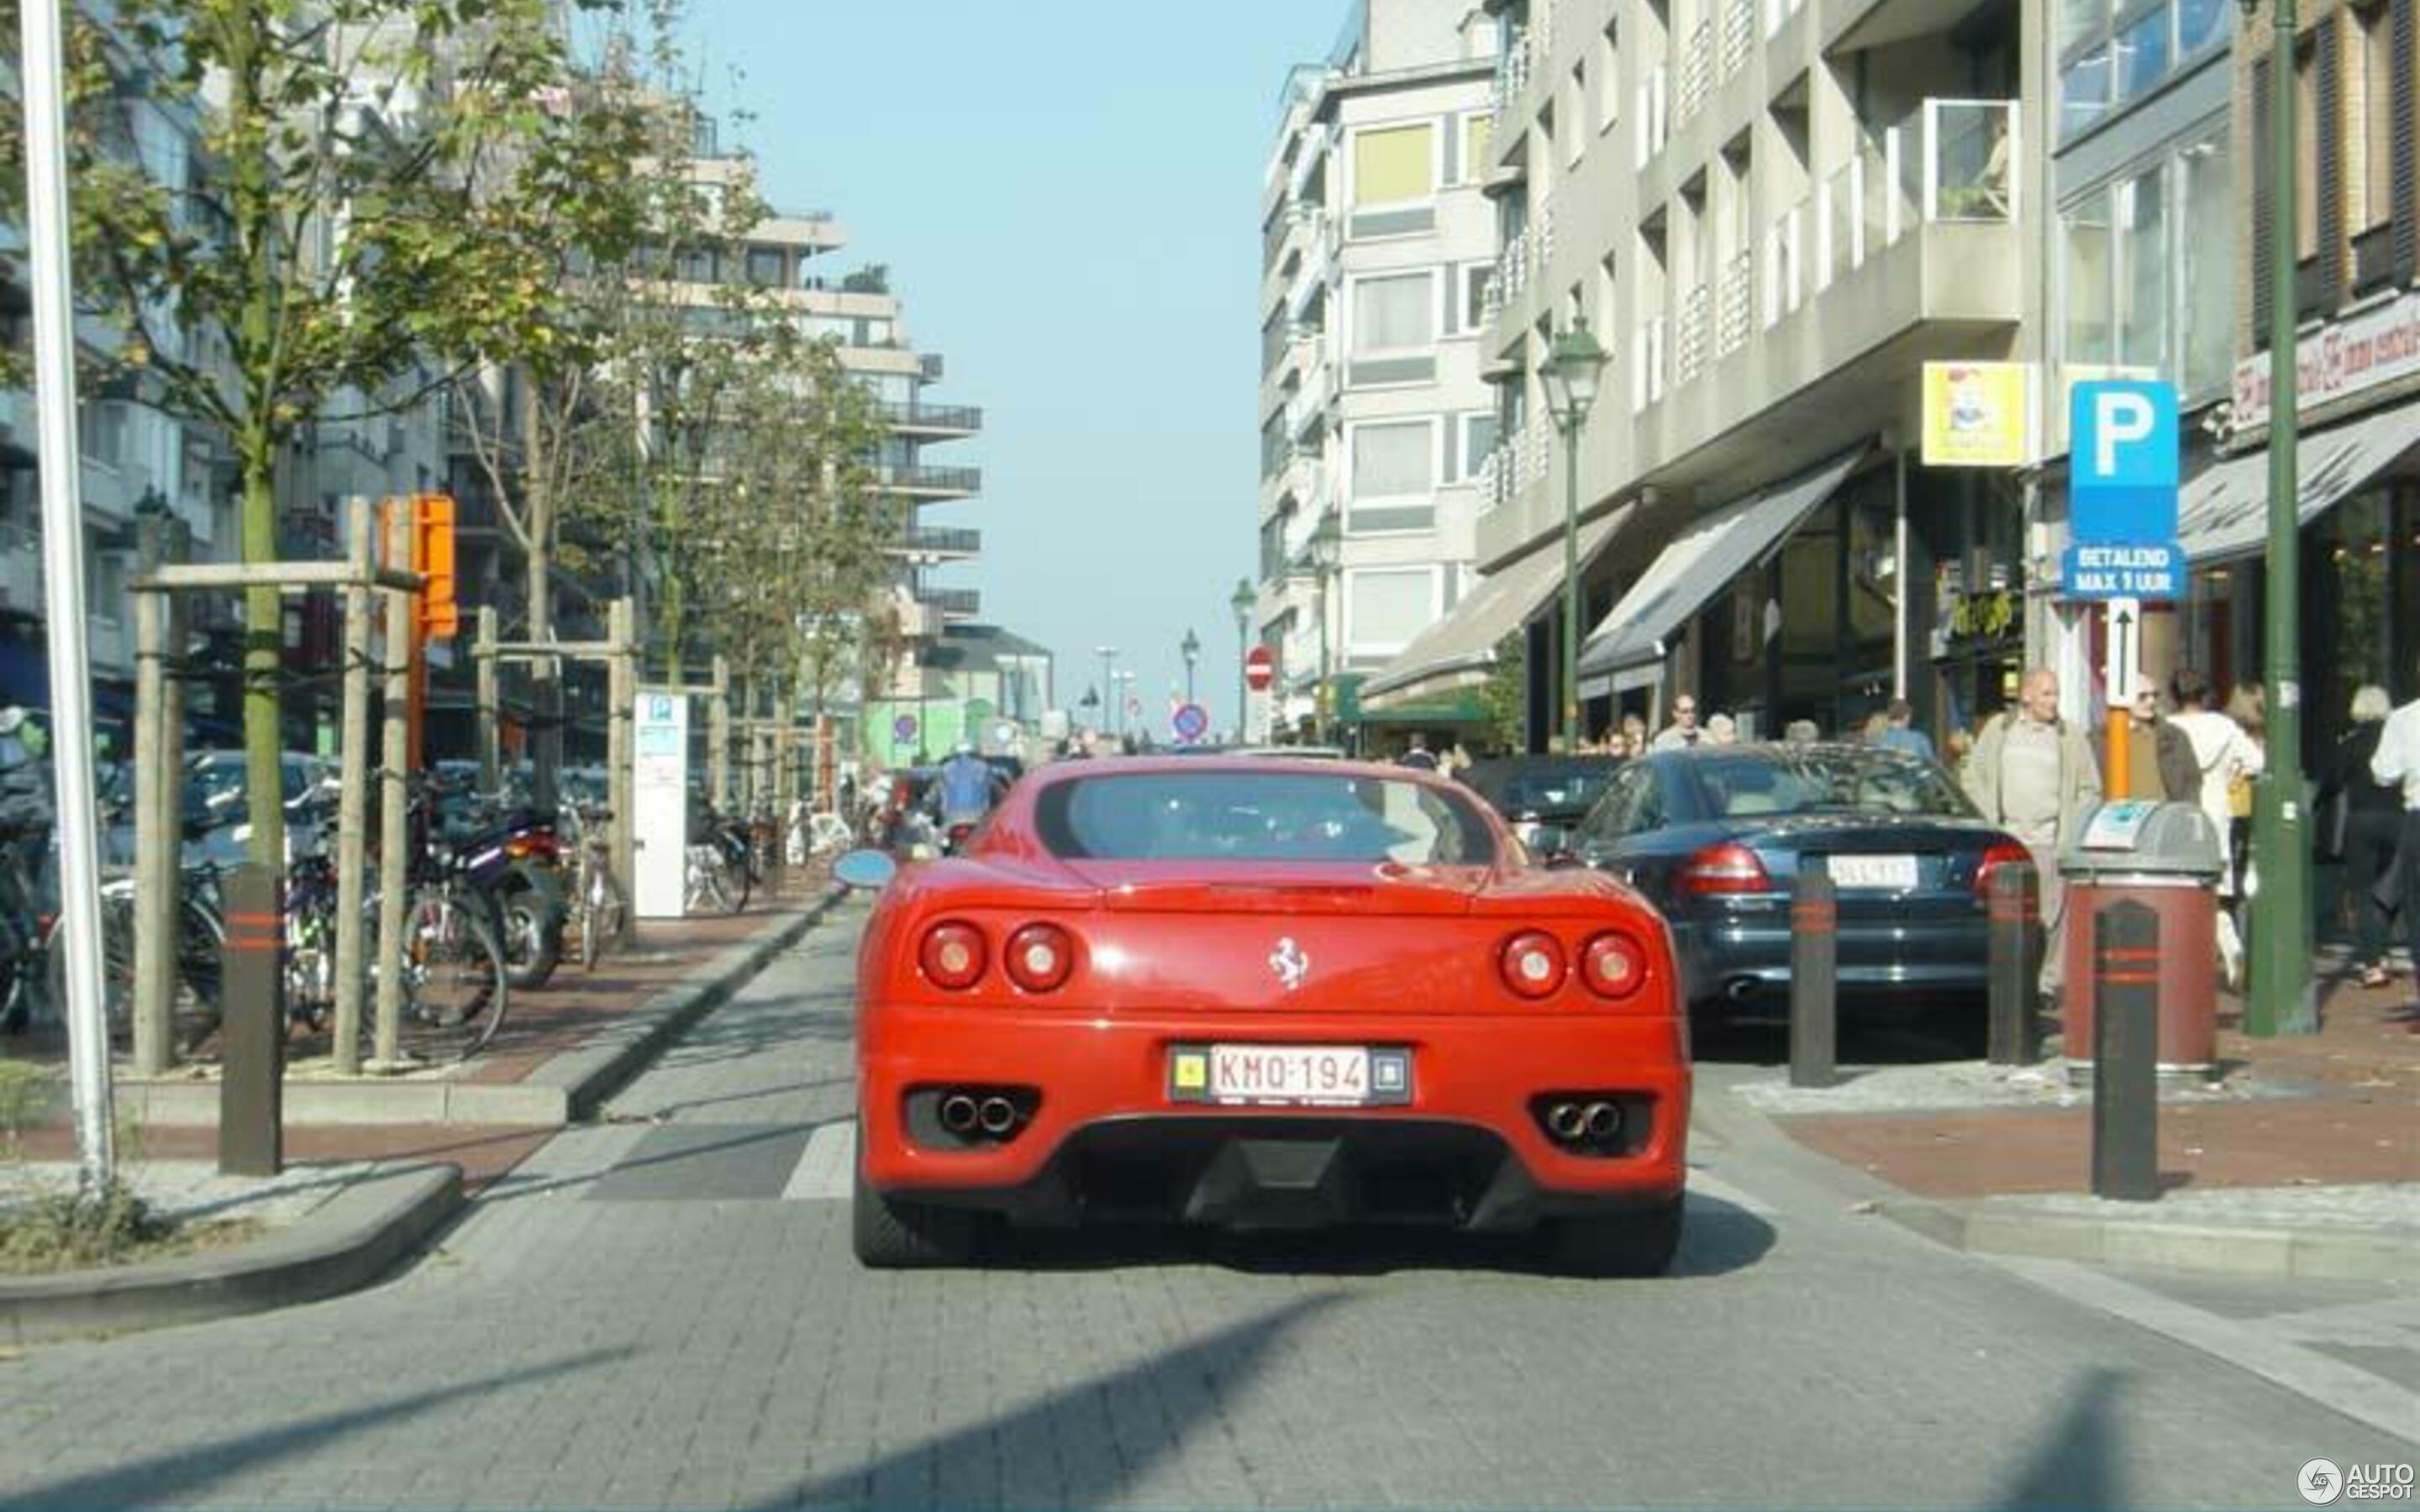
<point>1376,416</point>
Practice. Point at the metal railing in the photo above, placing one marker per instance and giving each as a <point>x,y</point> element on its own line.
<point>937,540</point>
<point>1512,75</point>
<point>917,477</point>
<point>1734,303</point>
<point>1512,272</point>
<point>1697,71</point>
<point>1542,236</point>
<point>1693,331</point>
<point>960,601</point>
<point>1738,36</point>
<point>928,416</point>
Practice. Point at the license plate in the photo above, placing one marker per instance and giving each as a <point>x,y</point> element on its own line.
<point>1290,1075</point>
<point>1881,874</point>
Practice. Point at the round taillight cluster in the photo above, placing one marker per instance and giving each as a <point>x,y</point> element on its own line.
<point>1613,965</point>
<point>1534,964</point>
<point>1038,958</point>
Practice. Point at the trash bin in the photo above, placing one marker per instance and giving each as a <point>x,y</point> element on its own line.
<point>2165,856</point>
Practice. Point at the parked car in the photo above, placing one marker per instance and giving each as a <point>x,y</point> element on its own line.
<point>1714,835</point>
<point>1250,992</point>
<point>1542,797</point>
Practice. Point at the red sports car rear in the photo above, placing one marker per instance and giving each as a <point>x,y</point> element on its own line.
<point>1265,993</point>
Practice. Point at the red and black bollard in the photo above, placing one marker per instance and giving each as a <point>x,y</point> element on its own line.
<point>2014,973</point>
<point>2125,1051</point>
<point>252,1027</point>
<point>1814,974</point>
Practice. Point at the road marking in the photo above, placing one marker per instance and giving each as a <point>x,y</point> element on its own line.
<point>1701,1183</point>
<point>2248,1346</point>
<point>824,1166</point>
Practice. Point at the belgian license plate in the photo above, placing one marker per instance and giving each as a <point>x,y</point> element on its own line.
<point>1881,874</point>
<point>1290,1075</point>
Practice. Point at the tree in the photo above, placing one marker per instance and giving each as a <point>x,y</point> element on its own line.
<point>378,188</point>
<point>1505,694</point>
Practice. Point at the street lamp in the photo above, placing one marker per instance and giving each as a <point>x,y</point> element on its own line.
<point>2280,979</point>
<point>1109,689</point>
<point>1191,646</point>
<point>1571,371</point>
<point>1242,602</point>
<point>1325,547</point>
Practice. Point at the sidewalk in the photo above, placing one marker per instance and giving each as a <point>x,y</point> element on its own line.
<point>2301,1159</point>
<point>375,1166</point>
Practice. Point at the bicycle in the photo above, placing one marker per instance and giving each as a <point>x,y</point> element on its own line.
<point>597,909</point>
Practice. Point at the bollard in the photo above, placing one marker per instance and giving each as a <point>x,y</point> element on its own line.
<point>2125,1053</point>
<point>252,1029</point>
<point>2015,969</point>
<point>1814,974</point>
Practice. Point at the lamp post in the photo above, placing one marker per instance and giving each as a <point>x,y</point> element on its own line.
<point>1242,602</point>
<point>1326,545</point>
<point>1109,688</point>
<point>1191,646</point>
<point>1570,373</point>
<point>2278,997</point>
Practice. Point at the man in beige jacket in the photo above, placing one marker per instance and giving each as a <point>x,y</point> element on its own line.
<point>2034,774</point>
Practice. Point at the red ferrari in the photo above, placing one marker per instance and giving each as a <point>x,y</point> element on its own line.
<point>1263,993</point>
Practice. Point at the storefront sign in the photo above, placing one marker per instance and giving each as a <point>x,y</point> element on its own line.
<point>2341,358</point>
<point>1974,415</point>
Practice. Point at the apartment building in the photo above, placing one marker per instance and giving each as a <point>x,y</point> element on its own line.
<point>1772,215</point>
<point>1379,246</point>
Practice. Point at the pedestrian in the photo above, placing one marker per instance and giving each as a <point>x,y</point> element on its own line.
<point>1801,732</point>
<point>2228,755</point>
<point>1457,758</point>
<point>2033,775</point>
<point>1682,731</point>
<point>1721,730</point>
<point>2248,707</point>
<point>2162,765</point>
<point>1900,732</point>
<point>2397,764</point>
<point>1876,726</point>
<point>2360,823</point>
<point>1957,749</point>
<point>1419,757</point>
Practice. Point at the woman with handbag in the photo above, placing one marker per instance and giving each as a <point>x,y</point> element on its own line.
<point>2228,755</point>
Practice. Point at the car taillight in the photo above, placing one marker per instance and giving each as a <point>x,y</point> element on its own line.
<point>1613,965</point>
<point>1039,957</point>
<point>1534,964</point>
<point>1725,866</point>
<point>953,955</point>
<point>2001,853</point>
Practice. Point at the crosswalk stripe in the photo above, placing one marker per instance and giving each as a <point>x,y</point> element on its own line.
<point>822,1174</point>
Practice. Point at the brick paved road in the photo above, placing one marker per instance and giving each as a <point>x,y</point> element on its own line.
<point>661,1310</point>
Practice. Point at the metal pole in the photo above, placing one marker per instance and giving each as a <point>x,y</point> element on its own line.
<point>2279,1000</point>
<point>621,699</point>
<point>718,738</point>
<point>395,820</point>
<point>1903,607</point>
<point>46,233</point>
<point>157,844</point>
<point>1571,580</point>
<point>352,803</point>
<point>486,674</point>
<point>2125,1051</point>
<point>1814,974</point>
<point>1319,695</point>
<point>2014,966</point>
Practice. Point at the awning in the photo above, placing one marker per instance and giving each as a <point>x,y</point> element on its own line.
<point>1461,706</point>
<point>2225,511</point>
<point>1458,649</point>
<point>1695,567</point>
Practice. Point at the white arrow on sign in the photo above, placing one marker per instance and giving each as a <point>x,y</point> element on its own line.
<point>2118,665</point>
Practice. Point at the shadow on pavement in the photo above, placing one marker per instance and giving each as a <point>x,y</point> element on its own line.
<point>1213,1363</point>
<point>1879,1036</point>
<point>2078,1462</point>
<point>187,1475</point>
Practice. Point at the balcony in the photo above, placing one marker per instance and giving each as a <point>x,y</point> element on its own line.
<point>951,603</point>
<point>937,542</point>
<point>1738,39</point>
<point>1696,74</point>
<point>934,481</point>
<point>1512,78</point>
<point>1734,303</point>
<point>930,419</point>
<point>1511,278</point>
<point>1692,333</point>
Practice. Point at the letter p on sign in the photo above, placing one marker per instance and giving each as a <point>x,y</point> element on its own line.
<point>2124,418</point>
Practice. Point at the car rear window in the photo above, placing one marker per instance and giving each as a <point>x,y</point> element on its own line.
<point>1833,780</point>
<point>1254,816</point>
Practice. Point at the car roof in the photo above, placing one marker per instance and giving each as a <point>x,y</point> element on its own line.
<point>1254,766</point>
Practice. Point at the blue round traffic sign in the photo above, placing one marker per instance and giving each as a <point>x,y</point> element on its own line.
<point>1191,722</point>
<point>904,727</point>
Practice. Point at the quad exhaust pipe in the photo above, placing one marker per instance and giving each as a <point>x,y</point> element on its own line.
<point>1589,1123</point>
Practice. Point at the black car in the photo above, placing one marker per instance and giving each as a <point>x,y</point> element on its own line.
<point>1714,836</point>
<point>1542,797</point>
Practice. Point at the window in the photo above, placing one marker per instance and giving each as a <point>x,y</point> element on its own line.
<point>2199,24</point>
<point>2206,265</point>
<point>1393,312</point>
<point>1396,459</point>
<point>2112,54</point>
<point>2089,332</point>
<point>2079,20</point>
<point>1384,608</point>
<point>765,267</point>
<point>2146,270</point>
<point>1476,277</point>
<point>1478,135</point>
<point>2370,179</point>
<point>1479,433</point>
<point>100,432</point>
<point>2141,60</point>
<point>2306,147</point>
<point>1393,165</point>
<point>2143,272</point>
<point>1273,816</point>
<point>2084,90</point>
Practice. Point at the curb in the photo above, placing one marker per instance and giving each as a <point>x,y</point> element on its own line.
<point>346,1244</point>
<point>2266,1252</point>
<point>563,1089</point>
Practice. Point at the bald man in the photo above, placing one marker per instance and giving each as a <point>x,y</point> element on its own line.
<point>2034,774</point>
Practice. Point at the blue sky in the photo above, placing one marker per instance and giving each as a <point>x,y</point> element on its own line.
<point>1066,192</point>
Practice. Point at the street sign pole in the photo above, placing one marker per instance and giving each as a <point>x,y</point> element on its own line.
<point>2118,619</point>
<point>46,235</point>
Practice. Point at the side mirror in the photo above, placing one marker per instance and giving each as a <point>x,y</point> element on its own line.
<point>869,870</point>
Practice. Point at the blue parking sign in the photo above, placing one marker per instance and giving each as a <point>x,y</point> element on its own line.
<point>2122,462</point>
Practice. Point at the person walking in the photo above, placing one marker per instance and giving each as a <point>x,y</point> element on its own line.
<point>2362,824</point>
<point>2162,765</point>
<point>2397,764</point>
<point>2248,707</point>
<point>2228,757</point>
<point>1418,757</point>
<point>2033,774</point>
<point>1682,731</point>
<point>1899,732</point>
<point>1721,730</point>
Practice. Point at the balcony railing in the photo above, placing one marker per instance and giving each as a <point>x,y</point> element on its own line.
<point>1512,78</point>
<point>1542,236</point>
<point>962,603</point>
<point>1697,71</point>
<point>948,541</point>
<point>1694,330</point>
<point>928,416</point>
<point>1646,364</point>
<point>1738,36</point>
<point>1957,158</point>
<point>1734,295</point>
<point>929,480</point>
<point>1512,272</point>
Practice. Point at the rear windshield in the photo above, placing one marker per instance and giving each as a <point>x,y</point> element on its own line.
<point>1833,780</point>
<point>1570,788</point>
<point>1251,817</point>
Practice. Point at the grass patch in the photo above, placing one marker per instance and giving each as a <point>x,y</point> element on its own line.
<point>44,1233</point>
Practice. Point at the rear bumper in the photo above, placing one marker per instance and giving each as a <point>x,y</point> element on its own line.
<point>1744,958</point>
<point>1101,1138</point>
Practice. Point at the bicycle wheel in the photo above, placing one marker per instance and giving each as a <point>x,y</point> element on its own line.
<point>452,973</point>
<point>588,918</point>
<point>117,968</point>
<point>739,881</point>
